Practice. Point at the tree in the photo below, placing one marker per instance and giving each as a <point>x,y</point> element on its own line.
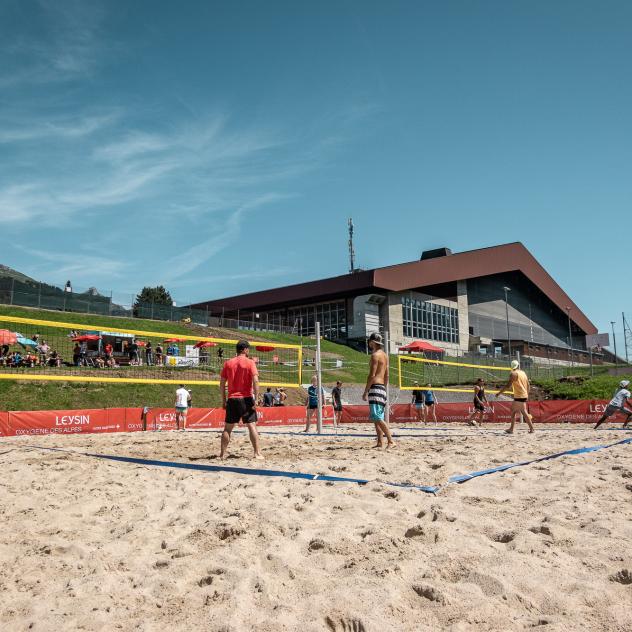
<point>152,295</point>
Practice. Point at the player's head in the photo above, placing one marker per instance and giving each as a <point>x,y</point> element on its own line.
<point>416,383</point>
<point>515,364</point>
<point>624,383</point>
<point>181,385</point>
<point>268,389</point>
<point>480,381</point>
<point>314,380</point>
<point>375,342</point>
<point>428,385</point>
<point>243,346</point>
<point>338,383</point>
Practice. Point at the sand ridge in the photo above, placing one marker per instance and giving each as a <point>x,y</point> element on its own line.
<point>97,545</point>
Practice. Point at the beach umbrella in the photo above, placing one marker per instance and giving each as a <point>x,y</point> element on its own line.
<point>26,342</point>
<point>86,338</point>
<point>7,337</point>
<point>205,343</point>
<point>264,348</point>
<point>141,343</point>
<point>175,340</point>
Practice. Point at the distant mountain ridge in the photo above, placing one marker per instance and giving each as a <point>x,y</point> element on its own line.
<point>9,273</point>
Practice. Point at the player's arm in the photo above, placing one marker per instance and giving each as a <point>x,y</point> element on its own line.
<point>372,372</point>
<point>222,390</point>
<point>255,386</point>
<point>507,386</point>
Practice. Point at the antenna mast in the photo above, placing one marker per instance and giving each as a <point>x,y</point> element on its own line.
<point>351,250</point>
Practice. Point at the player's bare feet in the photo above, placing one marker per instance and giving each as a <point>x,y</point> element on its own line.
<point>390,444</point>
<point>259,457</point>
<point>378,446</point>
<point>509,431</point>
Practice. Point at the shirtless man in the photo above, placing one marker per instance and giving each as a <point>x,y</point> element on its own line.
<point>519,382</point>
<point>375,391</point>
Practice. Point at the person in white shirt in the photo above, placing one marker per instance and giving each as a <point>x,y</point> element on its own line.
<point>618,404</point>
<point>183,397</point>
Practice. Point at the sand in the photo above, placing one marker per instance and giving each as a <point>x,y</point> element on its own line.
<point>89,544</point>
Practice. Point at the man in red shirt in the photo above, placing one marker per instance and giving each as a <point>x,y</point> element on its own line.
<point>242,378</point>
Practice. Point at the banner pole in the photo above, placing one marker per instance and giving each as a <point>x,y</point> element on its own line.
<point>387,412</point>
<point>319,416</point>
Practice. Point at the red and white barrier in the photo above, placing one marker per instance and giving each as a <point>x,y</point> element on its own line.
<point>43,422</point>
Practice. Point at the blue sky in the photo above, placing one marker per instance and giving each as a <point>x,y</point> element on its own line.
<point>220,147</point>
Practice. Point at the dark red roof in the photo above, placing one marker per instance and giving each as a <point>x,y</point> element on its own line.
<point>483,262</point>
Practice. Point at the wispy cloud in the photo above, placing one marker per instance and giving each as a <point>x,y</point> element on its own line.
<point>81,266</point>
<point>69,48</point>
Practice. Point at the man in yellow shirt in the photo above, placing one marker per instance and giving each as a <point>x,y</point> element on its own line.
<point>519,383</point>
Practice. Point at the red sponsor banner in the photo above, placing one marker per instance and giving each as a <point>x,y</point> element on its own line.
<point>4,424</point>
<point>131,419</point>
<point>43,422</point>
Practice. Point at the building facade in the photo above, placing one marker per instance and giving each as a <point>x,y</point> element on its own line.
<point>484,301</point>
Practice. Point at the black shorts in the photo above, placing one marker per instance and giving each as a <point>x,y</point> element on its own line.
<point>338,408</point>
<point>479,407</point>
<point>312,407</point>
<point>241,409</point>
<point>430,404</point>
<point>521,399</point>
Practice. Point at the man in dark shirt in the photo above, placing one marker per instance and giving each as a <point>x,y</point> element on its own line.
<point>336,401</point>
<point>268,398</point>
<point>418,402</point>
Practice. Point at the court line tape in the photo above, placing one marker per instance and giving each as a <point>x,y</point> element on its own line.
<point>463,478</point>
<point>430,489</point>
<point>342,436</point>
<point>238,470</point>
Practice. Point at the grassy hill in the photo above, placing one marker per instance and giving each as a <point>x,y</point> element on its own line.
<point>28,395</point>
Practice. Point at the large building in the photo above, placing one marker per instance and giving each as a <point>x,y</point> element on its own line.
<point>481,301</point>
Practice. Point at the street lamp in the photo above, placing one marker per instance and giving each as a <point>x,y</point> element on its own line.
<point>570,337</point>
<point>507,289</point>
<point>614,338</point>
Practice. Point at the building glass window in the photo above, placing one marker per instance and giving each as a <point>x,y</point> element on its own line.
<point>430,321</point>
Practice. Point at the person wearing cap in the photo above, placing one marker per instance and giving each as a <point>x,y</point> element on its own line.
<point>375,390</point>
<point>480,399</point>
<point>618,404</point>
<point>241,379</point>
<point>519,383</point>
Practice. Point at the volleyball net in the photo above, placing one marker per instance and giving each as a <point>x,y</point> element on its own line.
<point>32,349</point>
<point>444,375</point>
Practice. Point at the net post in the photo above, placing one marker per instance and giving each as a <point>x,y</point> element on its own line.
<point>319,385</point>
<point>387,412</point>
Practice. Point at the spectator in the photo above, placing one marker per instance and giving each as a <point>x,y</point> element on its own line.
<point>176,350</point>
<point>149,354</point>
<point>4,350</point>
<point>76,354</point>
<point>283,396</point>
<point>159,354</point>
<point>108,351</point>
<point>43,349</point>
<point>16,359</point>
<point>99,362</point>
<point>83,353</point>
<point>54,359</point>
<point>133,353</point>
<point>268,398</point>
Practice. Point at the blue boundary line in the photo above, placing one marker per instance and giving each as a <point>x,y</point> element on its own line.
<point>462,478</point>
<point>239,470</point>
<point>431,489</point>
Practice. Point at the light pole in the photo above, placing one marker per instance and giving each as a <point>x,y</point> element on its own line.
<point>507,289</point>
<point>570,337</point>
<point>614,338</point>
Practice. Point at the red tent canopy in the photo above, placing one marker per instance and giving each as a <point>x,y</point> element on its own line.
<point>421,346</point>
<point>175,340</point>
<point>86,337</point>
<point>264,348</point>
<point>205,343</point>
<point>8,337</point>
